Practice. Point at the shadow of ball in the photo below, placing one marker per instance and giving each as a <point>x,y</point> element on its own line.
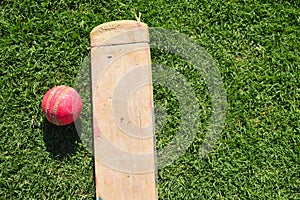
<point>61,141</point>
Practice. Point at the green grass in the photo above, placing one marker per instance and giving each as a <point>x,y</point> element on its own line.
<point>256,47</point>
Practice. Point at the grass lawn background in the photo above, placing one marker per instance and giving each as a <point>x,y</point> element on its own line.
<point>256,46</point>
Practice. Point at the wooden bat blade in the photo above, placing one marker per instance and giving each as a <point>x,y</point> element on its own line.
<point>123,124</point>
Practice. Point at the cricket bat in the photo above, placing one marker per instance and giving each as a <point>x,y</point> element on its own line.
<point>123,119</point>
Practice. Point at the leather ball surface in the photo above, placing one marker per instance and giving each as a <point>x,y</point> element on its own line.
<point>61,105</point>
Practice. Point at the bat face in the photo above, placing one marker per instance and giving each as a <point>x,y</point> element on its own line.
<point>124,145</point>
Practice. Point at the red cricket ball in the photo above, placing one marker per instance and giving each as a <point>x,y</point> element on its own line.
<point>61,105</point>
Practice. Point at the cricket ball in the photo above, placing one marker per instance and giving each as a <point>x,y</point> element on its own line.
<point>61,105</point>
